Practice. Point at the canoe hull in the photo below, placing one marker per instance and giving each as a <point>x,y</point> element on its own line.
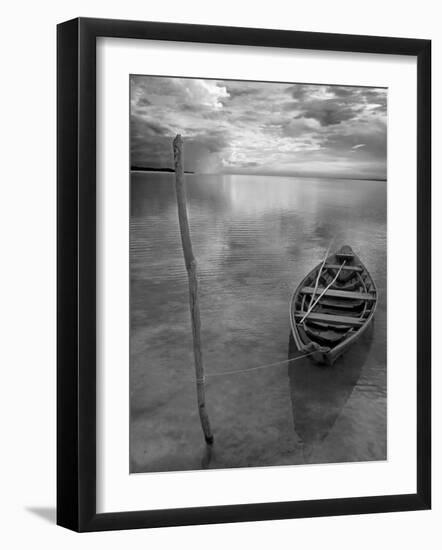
<point>310,336</point>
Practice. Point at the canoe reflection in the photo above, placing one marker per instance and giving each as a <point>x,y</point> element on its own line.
<point>319,393</point>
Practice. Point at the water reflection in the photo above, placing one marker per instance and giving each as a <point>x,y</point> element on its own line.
<point>207,456</point>
<point>254,239</point>
<point>319,393</point>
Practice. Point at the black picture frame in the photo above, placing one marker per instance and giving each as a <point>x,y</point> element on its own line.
<point>76,273</point>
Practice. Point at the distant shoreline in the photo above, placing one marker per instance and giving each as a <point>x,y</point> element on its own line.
<point>172,171</point>
<point>148,169</point>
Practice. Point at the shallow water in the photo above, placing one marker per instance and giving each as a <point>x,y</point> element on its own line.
<point>254,239</point>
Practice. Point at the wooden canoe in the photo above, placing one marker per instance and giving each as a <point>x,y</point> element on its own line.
<point>333,306</point>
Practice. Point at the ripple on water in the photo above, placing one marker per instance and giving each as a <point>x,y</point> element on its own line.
<point>254,238</point>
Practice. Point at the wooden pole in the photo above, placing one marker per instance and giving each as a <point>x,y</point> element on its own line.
<point>191,266</point>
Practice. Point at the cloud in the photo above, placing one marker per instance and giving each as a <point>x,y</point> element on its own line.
<point>174,92</point>
<point>308,92</point>
<point>141,127</point>
<point>253,127</point>
<point>332,105</point>
<point>341,91</point>
<point>328,111</point>
<point>241,91</point>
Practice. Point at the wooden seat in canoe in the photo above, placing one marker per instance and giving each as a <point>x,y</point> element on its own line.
<point>327,337</point>
<point>332,319</point>
<point>356,268</point>
<point>344,253</point>
<point>351,295</point>
<point>325,326</point>
<point>338,303</point>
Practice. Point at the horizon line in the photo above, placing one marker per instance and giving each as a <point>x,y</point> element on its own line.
<point>272,174</point>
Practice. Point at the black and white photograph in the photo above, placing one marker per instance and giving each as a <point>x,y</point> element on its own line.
<point>219,314</point>
<point>257,274</point>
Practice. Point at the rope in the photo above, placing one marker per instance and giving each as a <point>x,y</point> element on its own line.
<point>321,295</point>
<point>319,273</point>
<point>210,375</point>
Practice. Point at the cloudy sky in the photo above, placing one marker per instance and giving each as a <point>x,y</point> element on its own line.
<point>260,128</point>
